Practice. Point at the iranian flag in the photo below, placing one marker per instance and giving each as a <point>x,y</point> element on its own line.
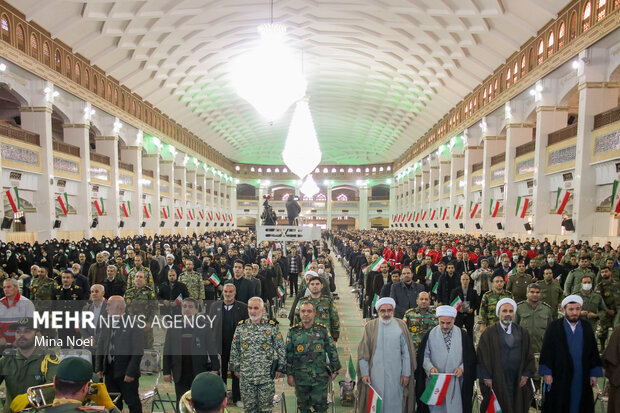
<point>63,200</point>
<point>13,196</point>
<point>99,207</point>
<point>228,275</point>
<point>164,209</point>
<point>179,213</point>
<point>376,266</point>
<point>423,215</point>
<point>410,216</point>
<point>201,214</point>
<point>435,287</point>
<point>522,204</point>
<point>230,217</point>
<point>436,390</point>
<point>224,217</point>
<point>179,300</point>
<point>561,200</point>
<point>443,216</point>
<point>417,215</point>
<point>433,214</point>
<point>458,212</point>
<point>215,280</point>
<point>350,375</point>
<point>217,216</point>
<point>374,401</point>
<point>126,269</point>
<point>191,215</point>
<point>494,208</point>
<point>473,211</point>
<point>270,256</point>
<point>494,404</point>
<point>210,216</point>
<point>457,303</point>
<point>615,199</point>
<point>374,300</point>
<point>146,212</point>
<point>124,206</point>
<point>280,291</point>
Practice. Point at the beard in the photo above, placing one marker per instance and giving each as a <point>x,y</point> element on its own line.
<point>24,343</point>
<point>506,320</point>
<point>573,319</point>
<point>255,318</point>
<point>387,320</point>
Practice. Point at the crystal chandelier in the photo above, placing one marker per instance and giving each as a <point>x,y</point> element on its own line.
<point>269,77</point>
<point>301,152</point>
<point>309,188</point>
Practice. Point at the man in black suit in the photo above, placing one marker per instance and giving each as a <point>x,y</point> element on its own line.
<point>97,306</point>
<point>163,274</point>
<point>112,284</point>
<point>169,290</point>
<point>245,288</point>
<point>186,349</point>
<point>119,352</point>
<point>228,313</point>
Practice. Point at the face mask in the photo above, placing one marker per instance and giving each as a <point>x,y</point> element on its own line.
<point>532,248</point>
<point>550,260</point>
<point>321,271</point>
<point>449,253</point>
<point>515,259</point>
<point>586,287</point>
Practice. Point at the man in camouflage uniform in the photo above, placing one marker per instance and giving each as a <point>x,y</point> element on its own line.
<point>311,358</point>
<point>615,272</point>
<point>27,365</point>
<point>140,268</point>
<point>43,287</point>
<point>534,315</point>
<point>326,312</point>
<point>518,282</point>
<point>490,299</point>
<point>420,320</point>
<point>609,290</point>
<point>573,280</point>
<point>257,350</point>
<point>593,308</point>
<point>141,300</point>
<point>193,281</point>
<point>550,291</point>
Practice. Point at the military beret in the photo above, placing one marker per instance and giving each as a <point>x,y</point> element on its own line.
<point>208,389</point>
<point>27,322</point>
<point>75,369</point>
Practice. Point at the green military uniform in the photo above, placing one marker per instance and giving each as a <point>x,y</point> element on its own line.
<point>552,294</point>
<point>75,406</point>
<point>593,303</point>
<point>326,313</point>
<point>598,262</point>
<point>142,301</point>
<point>194,284</point>
<point>573,280</point>
<point>517,285</point>
<point>419,322</point>
<point>43,289</point>
<point>255,349</point>
<point>609,290</point>
<point>122,270</point>
<point>147,275</point>
<point>615,275</point>
<point>311,357</point>
<point>487,306</point>
<point>20,372</point>
<point>535,320</point>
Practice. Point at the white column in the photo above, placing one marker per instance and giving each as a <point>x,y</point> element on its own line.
<point>150,162</point>
<point>190,177</point>
<point>329,203</point>
<point>133,155</point>
<point>108,145</point>
<point>77,134</point>
<point>179,174</point>
<point>233,203</point>
<point>166,168</point>
<point>473,155</point>
<point>364,223</point>
<point>39,120</point>
<point>202,203</point>
<point>457,164</point>
<point>262,191</point>
<point>492,146</point>
<point>516,135</point>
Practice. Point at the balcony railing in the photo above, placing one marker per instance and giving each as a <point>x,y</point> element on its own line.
<point>476,167</point>
<point>525,148</point>
<point>66,148</point>
<point>19,134</point>
<point>605,118</point>
<point>562,134</point>
<point>125,166</point>
<point>499,158</point>
<point>148,173</point>
<point>96,157</point>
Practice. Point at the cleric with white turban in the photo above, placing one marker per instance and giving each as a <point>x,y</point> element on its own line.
<point>574,298</point>
<point>503,301</point>
<point>445,311</point>
<point>383,301</point>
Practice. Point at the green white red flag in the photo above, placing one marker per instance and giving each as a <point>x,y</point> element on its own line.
<point>98,206</point>
<point>376,266</point>
<point>522,204</point>
<point>191,214</point>
<point>350,375</point>
<point>493,404</point>
<point>561,200</point>
<point>13,196</point>
<point>436,390</point>
<point>201,214</point>
<point>374,300</point>
<point>179,300</point>
<point>473,211</point>
<point>270,256</point>
<point>424,215</point>
<point>210,216</point>
<point>374,401</point>
<point>215,280</point>
<point>443,216</point>
<point>165,211</point>
<point>280,291</point>
<point>435,287</point>
<point>63,200</point>
<point>124,206</point>
<point>494,208</point>
<point>615,198</point>
<point>146,212</point>
<point>457,303</point>
<point>180,213</point>
<point>458,212</point>
<point>417,215</point>
<point>433,214</point>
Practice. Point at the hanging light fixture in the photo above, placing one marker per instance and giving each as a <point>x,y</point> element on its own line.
<point>269,77</point>
<point>301,150</point>
<point>309,188</point>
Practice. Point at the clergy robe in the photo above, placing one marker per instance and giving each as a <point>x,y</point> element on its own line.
<point>611,363</point>
<point>490,361</point>
<point>571,358</point>
<point>383,352</point>
<point>439,360</point>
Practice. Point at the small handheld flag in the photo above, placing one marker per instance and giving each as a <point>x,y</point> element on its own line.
<point>457,303</point>
<point>350,375</point>
<point>280,291</point>
<point>374,401</point>
<point>179,300</point>
<point>215,280</point>
<point>436,390</point>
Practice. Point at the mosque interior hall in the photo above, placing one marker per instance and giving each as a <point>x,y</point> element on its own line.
<point>125,118</point>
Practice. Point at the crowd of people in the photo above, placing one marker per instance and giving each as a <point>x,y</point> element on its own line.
<point>519,316</point>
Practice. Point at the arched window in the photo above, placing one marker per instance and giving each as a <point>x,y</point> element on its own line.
<point>561,33</point>
<point>68,66</point>
<point>102,87</point>
<point>285,197</point>
<point>95,83</point>
<point>601,10</point>
<point>585,17</point>
<point>109,95</point>
<point>515,73</point>
<point>133,107</point>
<point>550,42</point>
<point>523,63</point>
<point>342,197</point>
<point>508,78</point>
<point>77,72</point>
<point>484,96</point>
<point>34,46</point>
<point>57,61</point>
<point>138,111</point>
<point>47,59</point>
<point>321,197</point>
<point>4,26</point>
<point>86,79</point>
<point>115,96</point>
<point>541,51</point>
<point>21,41</point>
<point>530,63</point>
<point>572,27</point>
<point>490,92</point>
<point>495,86</point>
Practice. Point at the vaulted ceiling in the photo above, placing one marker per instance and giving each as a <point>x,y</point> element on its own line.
<point>380,72</point>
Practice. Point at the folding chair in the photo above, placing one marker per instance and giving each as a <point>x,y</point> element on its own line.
<point>150,365</point>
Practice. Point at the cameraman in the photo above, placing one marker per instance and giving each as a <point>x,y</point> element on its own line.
<point>268,216</point>
<point>292,208</point>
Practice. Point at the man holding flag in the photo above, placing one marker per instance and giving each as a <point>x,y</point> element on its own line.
<point>446,366</point>
<point>386,362</point>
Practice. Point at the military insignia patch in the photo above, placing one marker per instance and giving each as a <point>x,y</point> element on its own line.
<point>300,348</point>
<point>265,346</point>
<point>244,345</point>
<point>318,347</point>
